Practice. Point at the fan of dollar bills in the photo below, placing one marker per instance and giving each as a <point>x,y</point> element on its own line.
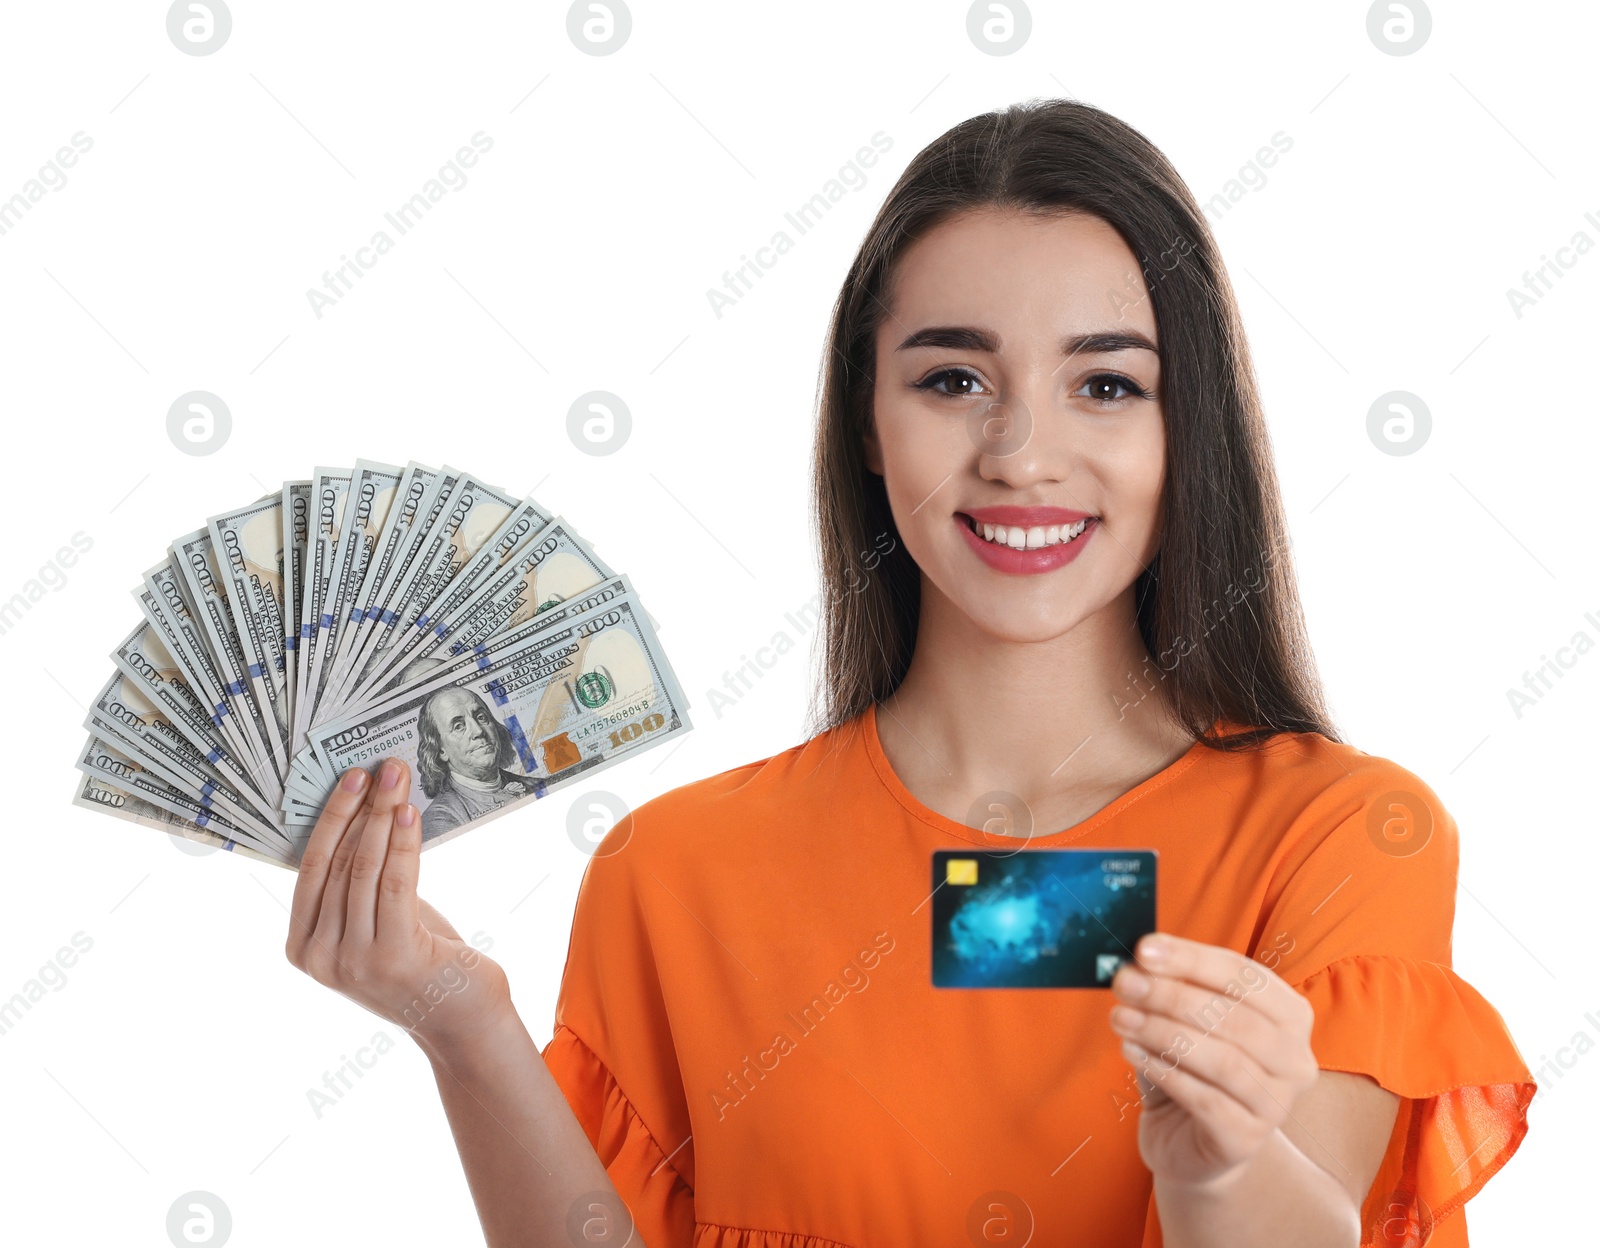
<point>368,613</point>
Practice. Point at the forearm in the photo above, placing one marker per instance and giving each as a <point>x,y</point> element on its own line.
<point>526,1157</point>
<point>1279,1197</point>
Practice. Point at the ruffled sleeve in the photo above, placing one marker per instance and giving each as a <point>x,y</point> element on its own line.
<point>1359,923</point>
<point>659,1200</point>
<point>1424,1033</point>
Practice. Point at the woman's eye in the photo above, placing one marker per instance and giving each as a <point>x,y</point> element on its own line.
<point>959,376</point>
<point>1102,388</point>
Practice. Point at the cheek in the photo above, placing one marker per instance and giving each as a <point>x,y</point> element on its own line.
<point>1134,472</point>
<point>920,449</point>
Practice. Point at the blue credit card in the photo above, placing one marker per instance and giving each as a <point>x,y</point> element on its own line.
<point>1039,918</point>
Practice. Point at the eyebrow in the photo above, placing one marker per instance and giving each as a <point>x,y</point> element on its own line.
<point>967,338</point>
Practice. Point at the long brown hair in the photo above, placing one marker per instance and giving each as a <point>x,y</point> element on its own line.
<point>1217,607</point>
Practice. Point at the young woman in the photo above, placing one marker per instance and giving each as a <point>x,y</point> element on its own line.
<point>1058,611</point>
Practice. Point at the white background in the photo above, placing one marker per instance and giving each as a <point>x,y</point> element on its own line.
<point>1376,257</point>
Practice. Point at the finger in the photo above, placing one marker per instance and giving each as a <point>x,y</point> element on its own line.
<point>329,930</point>
<point>366,869</point>
<point>341,807</point>
<point>1219,1114</point>
<point>1158,1044</point>
<point>1205,1012</point>
<point>1221,970</point>
<point>399,907</point>
<point>348,898</point>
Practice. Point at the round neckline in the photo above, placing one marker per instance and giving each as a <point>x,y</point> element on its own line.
<point>950,827</point>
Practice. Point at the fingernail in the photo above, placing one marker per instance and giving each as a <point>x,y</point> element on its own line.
<point>1126,1018</point>
<point>390,775</point>
<point>405,816</point>
<point>1132,983</point>
<point>1154,948</point>
<point>354,780</point>
<point>1133,1052</point>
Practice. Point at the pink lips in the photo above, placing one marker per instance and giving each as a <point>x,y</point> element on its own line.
<point>1025,562</point>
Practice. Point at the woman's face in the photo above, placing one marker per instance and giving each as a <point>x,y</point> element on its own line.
<point>1018,393</point>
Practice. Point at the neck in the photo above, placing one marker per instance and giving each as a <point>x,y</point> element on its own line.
<point>469,780</point>
<point>1059,723</point>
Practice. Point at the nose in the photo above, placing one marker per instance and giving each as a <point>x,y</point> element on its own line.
<point>1021,440</point>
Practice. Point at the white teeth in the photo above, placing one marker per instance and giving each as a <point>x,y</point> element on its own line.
<point>1019,538</point>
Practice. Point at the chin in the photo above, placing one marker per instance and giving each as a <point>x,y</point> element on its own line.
<point>1023,618</point>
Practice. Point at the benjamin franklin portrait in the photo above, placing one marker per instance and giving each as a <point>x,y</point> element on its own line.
<point>462,761</point>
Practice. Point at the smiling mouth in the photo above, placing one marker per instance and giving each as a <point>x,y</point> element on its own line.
<point>1034,537</point>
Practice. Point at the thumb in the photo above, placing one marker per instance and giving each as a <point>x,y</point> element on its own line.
<point>435,922</point>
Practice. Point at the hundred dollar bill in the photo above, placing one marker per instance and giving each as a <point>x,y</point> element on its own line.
<point>330,494</point>
<point>121,713</point>
<point>528,540</point>
<point>101,795</point>
<point>406,506</point>
<point>419,513</point>
<point>565,704</point>
<point>196,561</point>
<point>296,533</point>
<point>310,778</point>
<point>472,513</point>
<point>372,489</point>
<point>248,544</point>
<point>157,676</point>
<point>102,760</point>
<point>165,605</point>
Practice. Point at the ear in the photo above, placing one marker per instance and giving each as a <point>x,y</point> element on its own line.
<point>872,449</point>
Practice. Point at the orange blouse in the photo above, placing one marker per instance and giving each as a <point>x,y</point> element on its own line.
<point>748,1031</point>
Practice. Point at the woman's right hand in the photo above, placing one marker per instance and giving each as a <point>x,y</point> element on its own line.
<point>358,926</point>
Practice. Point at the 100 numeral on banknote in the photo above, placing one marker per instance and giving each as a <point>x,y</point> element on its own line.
<point>537,717</point>
<point>366,613</point>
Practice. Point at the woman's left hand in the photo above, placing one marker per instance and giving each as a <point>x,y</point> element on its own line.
<point>1224,1046</point>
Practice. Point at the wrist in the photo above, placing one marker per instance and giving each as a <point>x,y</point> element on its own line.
<point>463,1048</point>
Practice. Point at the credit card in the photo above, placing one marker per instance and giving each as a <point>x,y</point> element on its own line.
<point>1039,918</point>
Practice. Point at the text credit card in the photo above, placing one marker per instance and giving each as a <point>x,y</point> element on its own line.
<point>1039,918</point>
